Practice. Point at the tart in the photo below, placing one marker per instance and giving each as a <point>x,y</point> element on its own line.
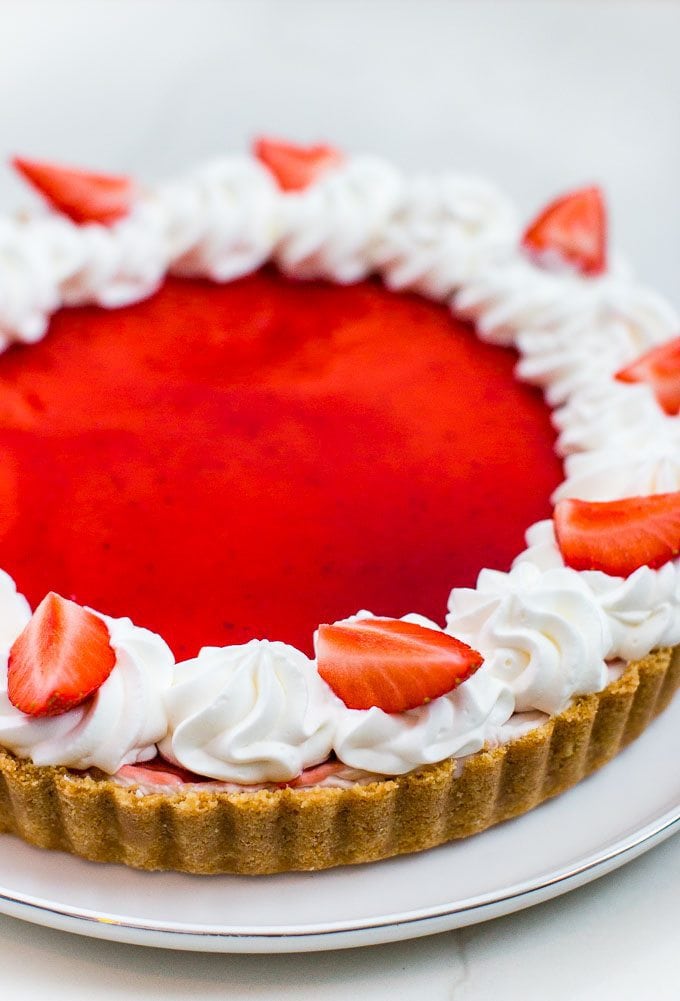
<point>236,428</point>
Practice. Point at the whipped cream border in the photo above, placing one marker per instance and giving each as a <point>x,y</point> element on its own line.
<point>454,239</point>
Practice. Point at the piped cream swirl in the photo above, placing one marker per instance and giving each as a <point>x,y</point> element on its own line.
<point>331,229</point>
<point>632,465</point>
<point>540,632</point>
<point>446,229</point>
<point>607,410</point>
<point>222,221</point>
<point>248,714</point>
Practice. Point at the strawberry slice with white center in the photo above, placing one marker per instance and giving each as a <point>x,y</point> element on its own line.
<point>296,167</point>
<point>572,229</point>
<point>391,664</point>
<point>317,773</point>
<point>82,195</point>
<point>660,367</point>
<point>619,536</point>
<point>158,772</point>
<point>62,656</point>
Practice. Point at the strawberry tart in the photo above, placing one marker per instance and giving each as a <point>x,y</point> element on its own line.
<point>282,388</point>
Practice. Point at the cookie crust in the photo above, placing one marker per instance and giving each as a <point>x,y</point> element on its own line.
<point>203,832</point>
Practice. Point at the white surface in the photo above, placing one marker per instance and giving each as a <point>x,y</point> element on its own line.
<point>565,843</point>
<point>612,940</point>
<point>539,96</point>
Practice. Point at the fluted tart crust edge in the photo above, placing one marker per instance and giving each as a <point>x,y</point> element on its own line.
<point>198,830</point>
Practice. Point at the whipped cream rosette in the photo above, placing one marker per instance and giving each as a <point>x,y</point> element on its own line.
<point>248,714</point>
<point>540,632</point>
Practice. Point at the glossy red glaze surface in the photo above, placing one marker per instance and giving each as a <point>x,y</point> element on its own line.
<point>223,462</point>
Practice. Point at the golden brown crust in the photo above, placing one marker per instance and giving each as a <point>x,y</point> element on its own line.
<point>202,831</point>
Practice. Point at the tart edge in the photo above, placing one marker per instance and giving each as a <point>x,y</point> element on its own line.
<point>201,831</point>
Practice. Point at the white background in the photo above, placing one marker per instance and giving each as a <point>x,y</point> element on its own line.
<point>540,96</point>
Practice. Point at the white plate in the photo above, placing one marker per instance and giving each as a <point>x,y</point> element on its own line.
<point>602,823</point>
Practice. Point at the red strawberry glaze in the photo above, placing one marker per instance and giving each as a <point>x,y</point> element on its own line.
<point>223,462</point>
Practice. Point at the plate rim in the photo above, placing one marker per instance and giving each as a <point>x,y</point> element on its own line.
<point>329,935</point>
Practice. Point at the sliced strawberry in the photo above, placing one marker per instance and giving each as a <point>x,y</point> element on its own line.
<point>142,775</point>
<point>62,656</point>
<point>661,368</point>
<point>296,167</point>
<point>312,776</point>
<point>619,536</point>
<point>80,194</point>
<point>391,664</point>
<point>573,228</point>
<point>158,772</point>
